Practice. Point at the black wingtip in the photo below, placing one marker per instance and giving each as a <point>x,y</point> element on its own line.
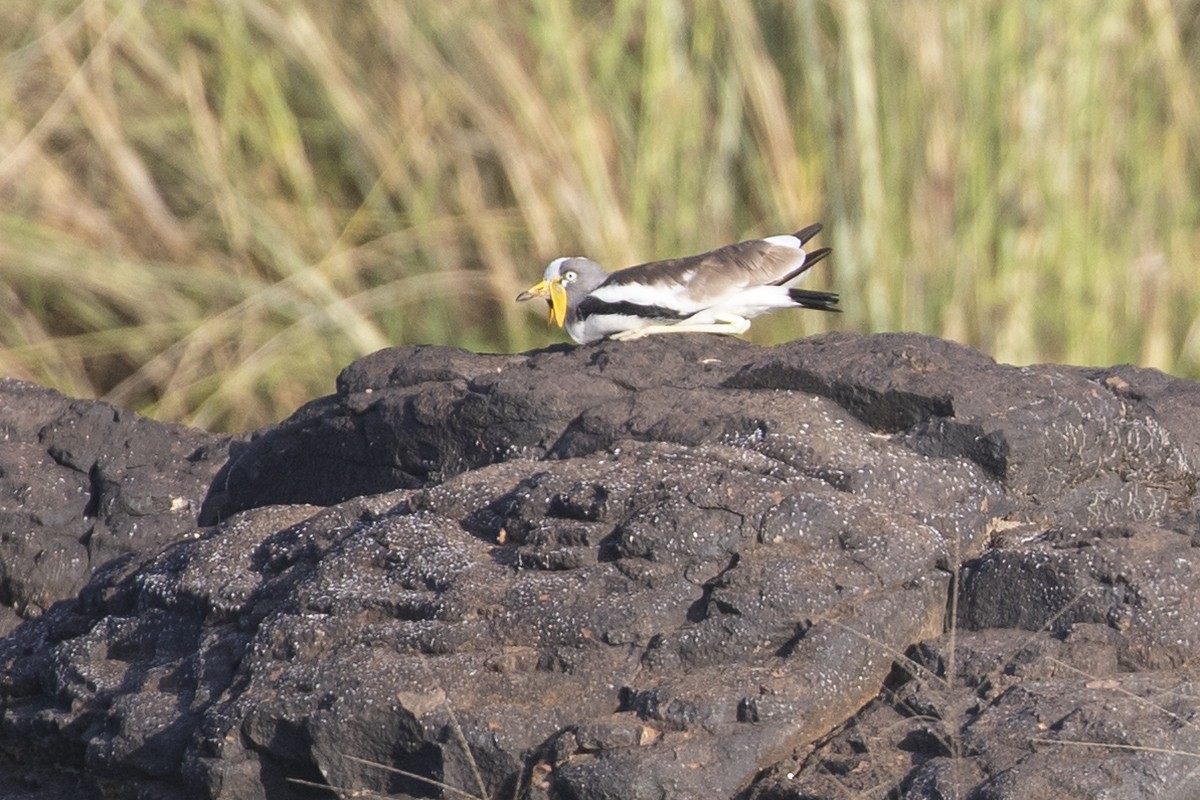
<point>804,234</point>
<point>816,255</point>
<point>818,301</point>
<point>810,259</point>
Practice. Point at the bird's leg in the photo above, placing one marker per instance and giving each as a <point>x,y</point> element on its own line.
<point>725,323</point>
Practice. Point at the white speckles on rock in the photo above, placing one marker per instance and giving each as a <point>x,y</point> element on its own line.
<point>659,574</point>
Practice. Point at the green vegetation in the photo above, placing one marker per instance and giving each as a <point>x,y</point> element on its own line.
<point>208,208</point>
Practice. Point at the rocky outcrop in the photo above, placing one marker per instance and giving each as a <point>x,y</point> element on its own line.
<point>679,567</point>
<point>83,484</point>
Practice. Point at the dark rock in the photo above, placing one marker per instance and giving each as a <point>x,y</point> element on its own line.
<point>83,483</point>
<point>680,567</point>
<point>447,412</point>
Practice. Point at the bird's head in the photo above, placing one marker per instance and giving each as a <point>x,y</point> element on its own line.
<point>565,282</point>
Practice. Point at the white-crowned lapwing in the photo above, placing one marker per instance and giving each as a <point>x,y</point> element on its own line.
<point>714,292</point>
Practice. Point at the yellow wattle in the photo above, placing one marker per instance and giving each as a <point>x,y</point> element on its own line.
<point>558,303</point>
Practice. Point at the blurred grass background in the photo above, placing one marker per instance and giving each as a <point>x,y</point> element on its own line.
<point>207,208</point>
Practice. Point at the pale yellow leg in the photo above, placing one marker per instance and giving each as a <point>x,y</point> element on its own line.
<point>727,325</point>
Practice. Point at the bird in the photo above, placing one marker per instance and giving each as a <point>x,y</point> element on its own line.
<point>714,292</point>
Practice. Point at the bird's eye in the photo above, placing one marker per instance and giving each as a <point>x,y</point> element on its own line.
<point>570,275</point>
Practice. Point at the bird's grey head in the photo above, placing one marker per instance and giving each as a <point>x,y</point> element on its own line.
<point>578,276</point>
<point>566,282</point>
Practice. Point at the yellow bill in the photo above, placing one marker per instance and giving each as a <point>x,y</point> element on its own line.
<point>556,299</point>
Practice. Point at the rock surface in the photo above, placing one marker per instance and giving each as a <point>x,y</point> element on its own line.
<point>83,483</point>
<point>674,568</point>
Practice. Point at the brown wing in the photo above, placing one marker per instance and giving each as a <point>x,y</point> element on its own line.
<point>728,268</point>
